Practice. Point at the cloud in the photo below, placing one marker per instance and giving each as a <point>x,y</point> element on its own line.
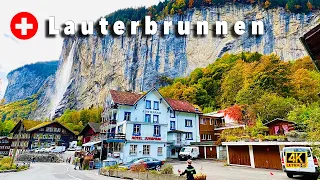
<point>11,37</point>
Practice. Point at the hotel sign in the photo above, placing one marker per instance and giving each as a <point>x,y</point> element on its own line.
<point>146,138</point>
<point>152,112</point>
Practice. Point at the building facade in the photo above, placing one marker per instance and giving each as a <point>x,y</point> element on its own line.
<point>5,144</point>
<point>153,126</point>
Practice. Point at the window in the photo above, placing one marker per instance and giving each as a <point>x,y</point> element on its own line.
<point>159,151</point>
<point>156,131</point>
<point>41,129</point>
<point>156,105</point>
<point>127,116</point>
<point>147,118</point>
<point>155,118</point>
<point>203,137</point>
<point>188,123</point>
<point>172,113</point>
<point>136,129</point>
<point>146,149</point>
<point>172,125</point>
<point>209,137</point>
<point>215,122</point>
<point>120,129</point>
<point>148,104</point>
<point>202,121</point>
<point>189,136</point>
<point>133,149</point>
<point>211,121</point>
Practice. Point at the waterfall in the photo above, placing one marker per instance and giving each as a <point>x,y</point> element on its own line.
<point>62,81</point>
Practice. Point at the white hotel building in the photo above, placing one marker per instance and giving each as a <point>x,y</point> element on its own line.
<point>153,126</point>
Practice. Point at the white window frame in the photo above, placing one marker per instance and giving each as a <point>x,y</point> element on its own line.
<point>209,137</point>
<point>211,121</point>
<point>160,151</point>
<point>201,121</point>
<point>146,150</point>
<point>203,136</point>
<point>133,149</point>
<point>189,138</point>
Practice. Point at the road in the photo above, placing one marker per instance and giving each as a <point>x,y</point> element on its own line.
<point>53,171</point>
<point>217,171</point>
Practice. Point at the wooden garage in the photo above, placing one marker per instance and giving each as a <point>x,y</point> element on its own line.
<point>239,155</point>
<point>267,157</point>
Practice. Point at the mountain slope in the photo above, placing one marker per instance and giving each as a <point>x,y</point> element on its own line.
<point>27,80</point>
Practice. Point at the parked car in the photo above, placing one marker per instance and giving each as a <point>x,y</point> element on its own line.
<point>47,150</point>
<point>299,161</point>
<point>149,162</point>
<point>71,149</point>
<point>58,149</point>
<point>189,152</point>
<point>41,150</point>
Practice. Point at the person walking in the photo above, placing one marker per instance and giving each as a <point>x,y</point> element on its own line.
<point>76,159</point>
<point>190,171</point>
<point>81,162</point>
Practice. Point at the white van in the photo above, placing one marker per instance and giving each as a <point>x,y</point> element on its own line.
<point>189,152</point>
<point>299,161</point>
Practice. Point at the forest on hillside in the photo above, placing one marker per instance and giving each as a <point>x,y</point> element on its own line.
<point>170,7</point>
<point>253,88</point>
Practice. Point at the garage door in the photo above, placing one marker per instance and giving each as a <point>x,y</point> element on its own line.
<point>267,157</point>
<point>239,155</point>
<point>211,152</point>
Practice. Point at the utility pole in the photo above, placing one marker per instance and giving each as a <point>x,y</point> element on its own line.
<point>18,142</point>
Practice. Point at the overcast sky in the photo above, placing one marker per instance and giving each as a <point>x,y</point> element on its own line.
<point>16,53</point>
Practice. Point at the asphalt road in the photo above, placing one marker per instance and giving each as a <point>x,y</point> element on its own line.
<point>53,171</point>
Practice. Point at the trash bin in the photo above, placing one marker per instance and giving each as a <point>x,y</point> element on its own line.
<point>91,164</point>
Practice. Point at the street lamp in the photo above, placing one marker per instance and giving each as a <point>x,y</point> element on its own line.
<point>311,42</point>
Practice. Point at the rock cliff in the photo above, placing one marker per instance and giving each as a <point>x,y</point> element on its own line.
<point>139,62</point>
<point>27,80</point>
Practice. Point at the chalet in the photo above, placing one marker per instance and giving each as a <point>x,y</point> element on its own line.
<point>91,132</point>
<point>29,134</point>
<point>207,146</point>
<point>151,124</point>
<point>280,126</point>
<point>5,144</point>
<point>49,133</point>
<point>21,136</point>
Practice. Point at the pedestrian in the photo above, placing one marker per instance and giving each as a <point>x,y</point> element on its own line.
<point>69,159</point>
<point>81,162</point>
<point>33,159</point>
<point>76,159</point>
<point>190,171</point>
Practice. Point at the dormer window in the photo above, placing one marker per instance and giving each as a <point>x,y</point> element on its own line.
<point>148,104</point>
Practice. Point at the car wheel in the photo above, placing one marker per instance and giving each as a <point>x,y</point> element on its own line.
<point>290,175</point>
<point>313,177</point>
<point>158,167</point>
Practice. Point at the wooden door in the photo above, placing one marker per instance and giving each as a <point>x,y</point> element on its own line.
<point>211,152</point>
<point>267,157</point>
<point>201,151</point>
<point>239,155</point>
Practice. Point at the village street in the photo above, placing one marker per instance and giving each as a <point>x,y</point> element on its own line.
<point>214,171</point>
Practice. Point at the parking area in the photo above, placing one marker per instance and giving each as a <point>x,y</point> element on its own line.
<point>218,171</point>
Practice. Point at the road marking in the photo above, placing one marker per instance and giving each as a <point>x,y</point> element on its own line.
<point>74,177</point>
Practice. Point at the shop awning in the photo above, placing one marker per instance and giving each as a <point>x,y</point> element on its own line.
<point>88,144</point>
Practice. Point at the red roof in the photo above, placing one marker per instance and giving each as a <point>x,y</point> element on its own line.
<point>126,98</point>
<point>129,98</point>
<point>180,105</point>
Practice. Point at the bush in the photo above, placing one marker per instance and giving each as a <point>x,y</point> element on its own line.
<point>142,167</point>
<point>167,169</point>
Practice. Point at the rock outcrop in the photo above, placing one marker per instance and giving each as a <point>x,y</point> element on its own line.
<point>27,80</point>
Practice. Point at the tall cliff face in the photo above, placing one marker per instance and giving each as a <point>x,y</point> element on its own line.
<point>138,62</point>
<point>27,80</point>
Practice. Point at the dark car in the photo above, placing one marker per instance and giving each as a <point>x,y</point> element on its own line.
<point>149,162</point>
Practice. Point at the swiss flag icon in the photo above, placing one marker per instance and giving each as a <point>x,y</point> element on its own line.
<point>24,25</point>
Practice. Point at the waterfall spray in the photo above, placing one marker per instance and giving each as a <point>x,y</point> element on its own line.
<point>62,81</point>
